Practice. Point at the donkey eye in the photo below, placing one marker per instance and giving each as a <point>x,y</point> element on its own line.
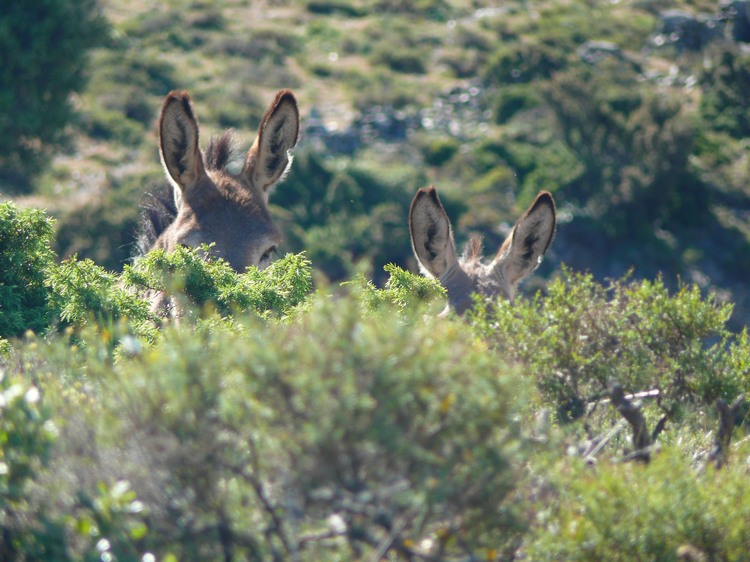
<point>266,257</point>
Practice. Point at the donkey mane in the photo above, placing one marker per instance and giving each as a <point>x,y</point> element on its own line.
<point>221,151</point>
<point>158,211</point>
<point>472,254</point>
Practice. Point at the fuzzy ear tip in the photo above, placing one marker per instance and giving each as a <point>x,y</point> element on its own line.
<point>428,191</point>
<point>285,101</point>
<point>286,97</point>
<point>545,198</point>
<point>181,96</point>
<point>178,98</point>
<point>286,94</point>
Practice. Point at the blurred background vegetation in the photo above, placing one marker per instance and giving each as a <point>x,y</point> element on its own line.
<point>635,114</point>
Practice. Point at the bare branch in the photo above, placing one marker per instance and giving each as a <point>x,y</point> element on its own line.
<point>727,420</point>
<point>660,425</point>
<point>633,415</point>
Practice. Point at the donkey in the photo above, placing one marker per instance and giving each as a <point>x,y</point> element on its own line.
<point>207,203</point>
<point>519,256</point>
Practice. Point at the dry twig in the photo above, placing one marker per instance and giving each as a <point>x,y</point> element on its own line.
<point>633,415</point>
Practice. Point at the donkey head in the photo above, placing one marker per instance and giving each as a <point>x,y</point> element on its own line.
<point>213,204</point>
<point>520,254</point>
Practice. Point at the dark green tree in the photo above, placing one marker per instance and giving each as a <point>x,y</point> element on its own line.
<point>44,46</point>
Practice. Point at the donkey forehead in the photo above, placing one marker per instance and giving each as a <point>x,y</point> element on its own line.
<point>487,279</point>
<point>228,204</point>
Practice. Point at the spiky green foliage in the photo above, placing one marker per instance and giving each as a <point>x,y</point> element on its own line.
<point>36,293</point>
<point>25,258</point>
<point>82,291</point>
<point>274,292</point>
<point>403,289</point>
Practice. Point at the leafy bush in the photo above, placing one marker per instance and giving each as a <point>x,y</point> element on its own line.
<point>44,48</point>
<point>83,291</point>
<point>331,436</point>
<point>438,10</point>
<point>36,293</point>
<point>665,511</point>
<point>583,335</point>
<point>521,62</point>
<point>26,437</point>
<point>726,99</point>
<point>25,257</point>
<point>334,7</point>
<point>513,99</point>
<point>274,292</point>
<point>71,523</point>
<point>437,152</point>
<point>406,59</point>
<point>403,290</point>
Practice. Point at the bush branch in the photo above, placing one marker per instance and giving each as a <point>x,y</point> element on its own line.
<point>727,420</point>
<point>633,415</point>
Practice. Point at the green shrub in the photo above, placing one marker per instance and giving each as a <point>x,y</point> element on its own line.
<point>664,511</point>
<point>25,258</point>
<point>403,290</point>
<point>633,145</point>
<point>439,10</point>
<point>113,126</point>
<point>328,437</point>
<point>522,62</point>
<point>44,48</point>
<point>725,101</point>
<point>408,60</point>
<point>36,293</point>
<point>83,291</point>
<point>73,523</point>
<point>334,7</point>
<point>582,335</point>
<point>274,292</point>
<point>513,99</point>
<point>26,437</point>
<point>437,152</point>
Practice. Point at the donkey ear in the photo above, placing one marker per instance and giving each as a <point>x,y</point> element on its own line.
<point>523,250</point>
<point>269,159</point>
<point>178,142</point>
<point>431,233</point>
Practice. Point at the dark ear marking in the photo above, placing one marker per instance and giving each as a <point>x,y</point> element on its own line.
<point>528,247</point>
<point>278,133</point>
<point>178,140</point>
<point>544,201</point>
<point>532,235</point>
<point>431,233</point>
